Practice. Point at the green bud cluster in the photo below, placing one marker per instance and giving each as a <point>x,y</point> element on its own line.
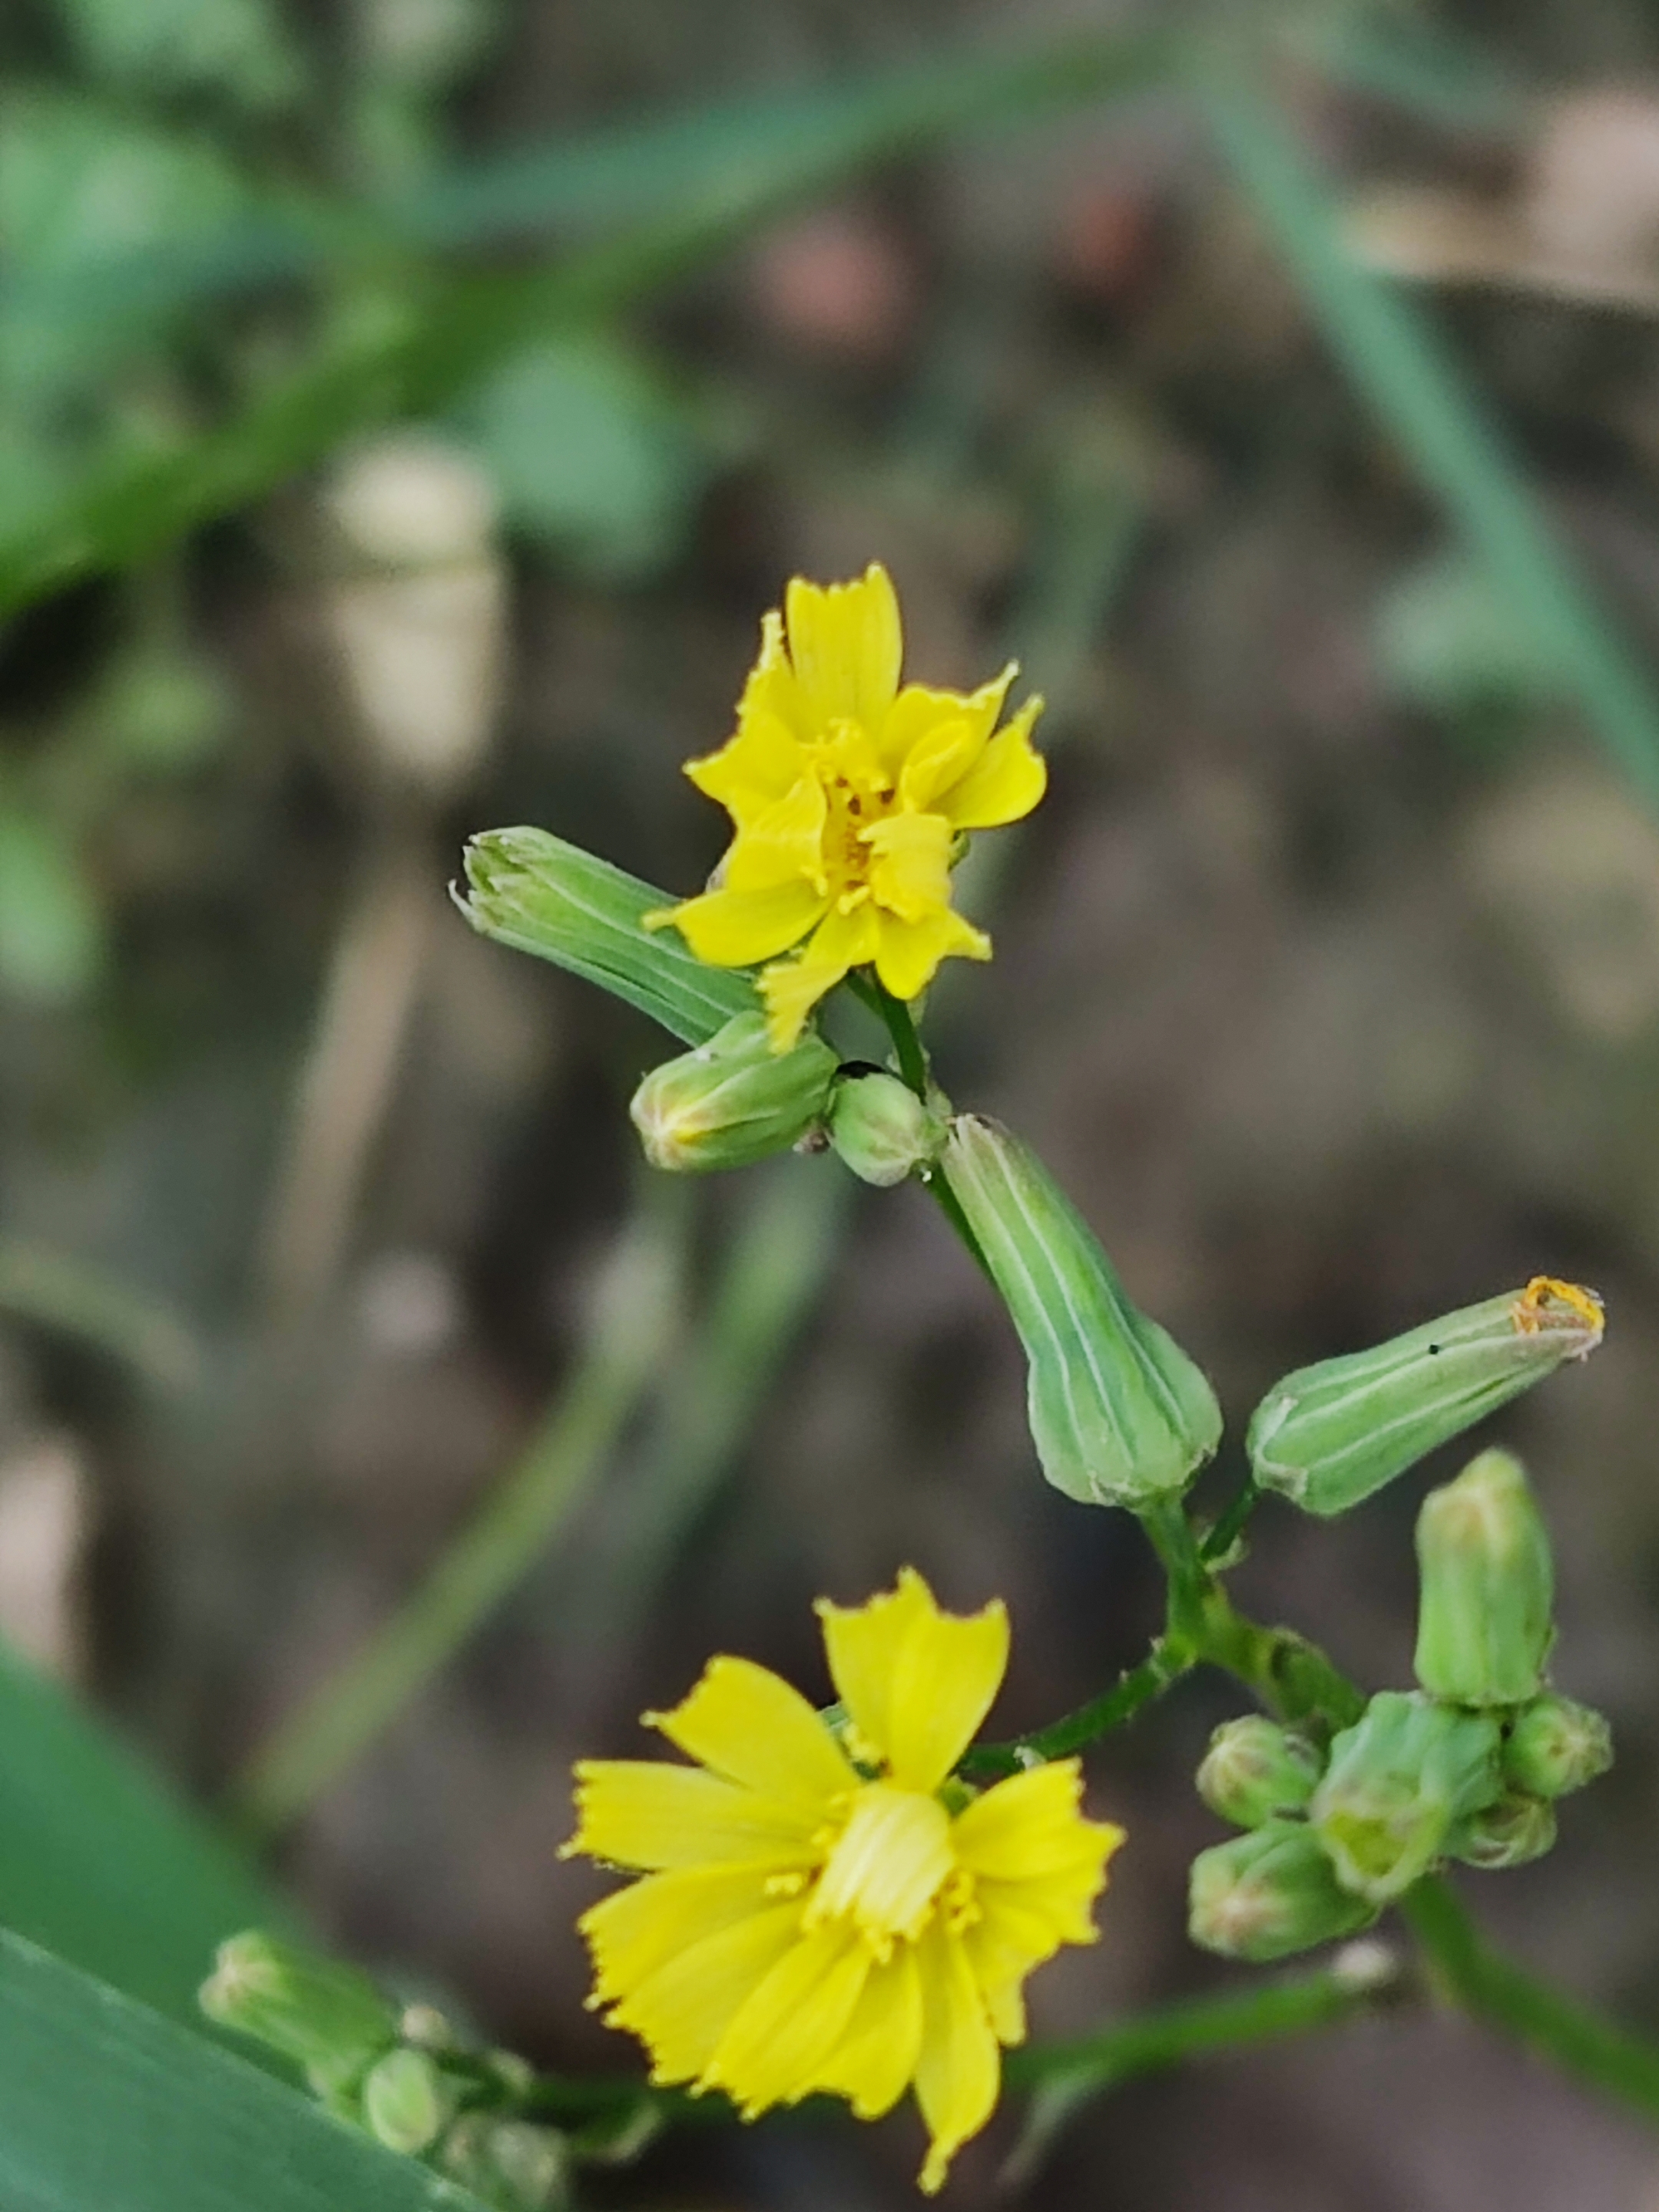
<point>404,2076</point>
<point>880,1129</point>
<point>733,1100</point>
<point>1467,1766</point>
<point>1119,1413</point>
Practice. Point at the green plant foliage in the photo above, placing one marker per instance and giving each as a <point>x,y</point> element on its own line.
<point>107,2107</point>
<point>592,452</point>
<point>52,936</point>
<point>98,1861</point>
<point>238,48</point>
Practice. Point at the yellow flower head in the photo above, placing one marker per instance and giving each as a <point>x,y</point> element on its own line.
<point>817,1916</point>
<point>848,795</point>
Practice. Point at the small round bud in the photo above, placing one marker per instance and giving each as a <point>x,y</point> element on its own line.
<point>880,1129</point>
<point>734,1100</point>
<point>1119,1413</point>
<point>1254,1769</point>
<point>406,2101</point>
<point>1557,1746</point>
<point>1510,1833</point>
<point>1330,1435</point>
<point>1265,1895</point>
<point>426,2028</point>
<point>509,2163</point>
<point>1487,1587</point>
<point>328,2016</point>
<point>1397,1783</point>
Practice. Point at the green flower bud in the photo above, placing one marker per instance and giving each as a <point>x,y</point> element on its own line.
<point>1556,1745</point>
<point>529,890</point>
<point>880,1126</point>
<point>1254,1769</point>
<point>1398,1782</point>
<point>406,2101</point>
<point>1264,1895</point>
<point>1330,1435</point>
<point>1487,1586</point>
<point>733,1101</point>
<point>328,2016</point>
<point>1514,1830</point>
<point>1119,1413</point>
<point>509,2163</point>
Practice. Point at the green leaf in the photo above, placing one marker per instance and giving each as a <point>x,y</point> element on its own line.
<point>420,358</point>
<point>235,47</point>
<point>107,2107</point>
<point>52,935</point>
<point>98,1861</point>
<point>528,889</point>
<point>591,451</point>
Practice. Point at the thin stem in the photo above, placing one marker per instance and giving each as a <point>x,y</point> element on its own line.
<point>1607,2057</point>
<point>1166,1662</point>
<point>634,1319</point>
<point>912,1060</point>
<point>1231,1525</point>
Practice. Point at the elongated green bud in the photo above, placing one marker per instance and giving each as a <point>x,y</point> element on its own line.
<point>1487,1587</point>
<point>1399,1781</point>
<point>1330,1435</point>
<point>406,2101</point>
<point>734,1100</point>
<point>881,1129</point>
<point>529,890</point>
<point>1265,1895</point>
<point>1120,1415</point>
<point>1557,1746</point>
<point>328,2016</point>
<point>1254,1769</point>
<point>1511,1832</point>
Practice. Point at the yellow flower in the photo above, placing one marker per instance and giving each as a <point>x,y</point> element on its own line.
<point>817,1916</point>
<point>849,796</point>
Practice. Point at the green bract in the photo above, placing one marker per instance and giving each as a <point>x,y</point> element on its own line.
<point>1510,1833</point>
<point>1488,1584</point>
<point>529,890</point>
<point>734,1100</point>
<point>1265,1895</point>
<point>1328,1436</point>
<point>1119,1413</point>
<point>1399,1781</point>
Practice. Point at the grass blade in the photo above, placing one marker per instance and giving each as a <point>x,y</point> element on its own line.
<point>1398,364</point>
<point>107,2107</point>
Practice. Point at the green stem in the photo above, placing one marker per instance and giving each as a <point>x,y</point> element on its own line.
<point>635,1317</point>
<point>1606,2057</point>
<point>1166,1662</point>
<point>1231,1525</point>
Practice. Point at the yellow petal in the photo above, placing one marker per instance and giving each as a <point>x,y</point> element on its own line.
<point>917,1682</point>
<point>909,953</point>
<point>648,1813</point>
<point>736,929</point>
<point>748,1724</point>
<point>941,756</point>
<point>846,646</point>
<point>638,1929</point>
<point>681,2011</point>
<point>791,988</point>
<point>873,2063</point>
<point>1004,783</point>
<point>770,687</point>
<point>752,770</point>
<point>1028,1826</point>
<point>919,710</point>
<point>790,2022</point>
<point>782,844</point>
<point>959,2069</point>
<point>910,869</point>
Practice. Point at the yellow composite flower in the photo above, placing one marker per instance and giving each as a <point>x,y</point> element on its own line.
<point>835,1913</point>
<point>849,796</point>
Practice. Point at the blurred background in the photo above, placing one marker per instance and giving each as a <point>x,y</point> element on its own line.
<point>407,410</point>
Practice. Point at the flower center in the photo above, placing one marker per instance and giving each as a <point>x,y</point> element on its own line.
<point>887,1867</point>
<point>847,766</point>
